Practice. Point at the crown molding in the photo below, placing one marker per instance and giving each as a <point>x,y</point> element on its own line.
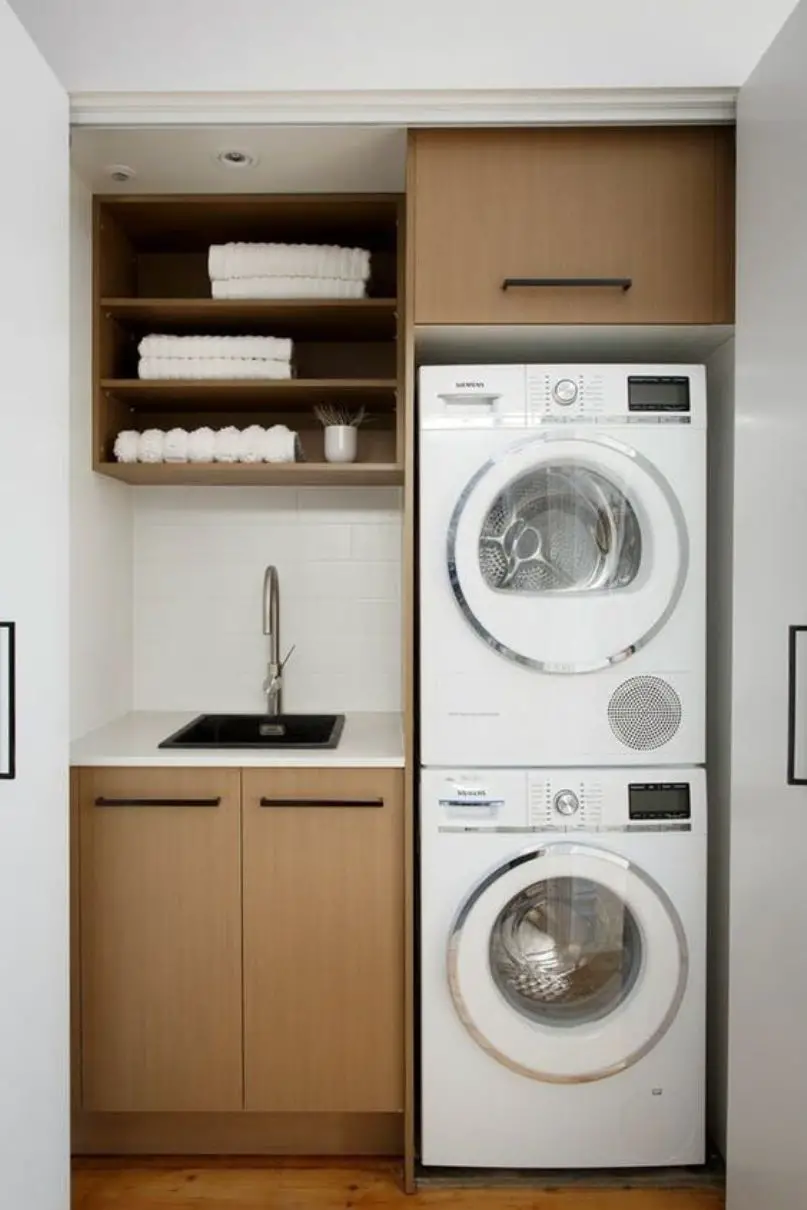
<point>416,108</point>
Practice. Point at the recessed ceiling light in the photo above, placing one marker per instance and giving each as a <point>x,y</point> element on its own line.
<point>120,172</point>
<point>237,157</point>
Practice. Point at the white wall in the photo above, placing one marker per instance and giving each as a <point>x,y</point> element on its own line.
<point>34,1002</point>
<point>100,520</point>
<point>768,986</point>
<point>720,376</point>
<point>199,560</point>
<point>206,45</point>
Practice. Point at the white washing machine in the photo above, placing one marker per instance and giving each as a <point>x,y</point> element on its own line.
<point>562,564</point>
<point>563,967</point>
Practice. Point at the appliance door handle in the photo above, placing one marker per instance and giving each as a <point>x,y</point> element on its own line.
<point>321,802</point>
<point>604,283</point>
<point>797,706</point>
<point>157,802</point>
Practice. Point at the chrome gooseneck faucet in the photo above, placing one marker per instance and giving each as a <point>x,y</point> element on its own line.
<point>273,683</point>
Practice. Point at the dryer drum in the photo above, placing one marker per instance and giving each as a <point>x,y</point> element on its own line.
<point>560,529</point>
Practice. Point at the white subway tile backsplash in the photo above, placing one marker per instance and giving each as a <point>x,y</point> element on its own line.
<point>373,541</point>
<point>200,555</point>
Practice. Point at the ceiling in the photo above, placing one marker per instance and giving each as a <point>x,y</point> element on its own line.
<point>333,45</point>
<point>290,159</point>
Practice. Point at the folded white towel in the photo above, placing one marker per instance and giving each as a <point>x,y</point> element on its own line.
<point>127,446</point>
<point>157,368</point>
<point>273,348</point>
<point>288,260</point>
<point>280,444</point>
<point>201,445</point>
<point>288,287</point>
<point>151,446</point>
<point>176,446</point>
<point>253,441</point>
<point>227,445</point>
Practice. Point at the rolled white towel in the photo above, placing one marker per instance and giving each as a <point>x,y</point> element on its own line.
<point>253,443</point>
<point>176,445</point>
<point>288,260</point>
<point>151,447</point>
<point>227,446</point>
<point>201,445</point>
<point>268,348</point>
<point>183,368</point>
<point>127,446</point>
<point>288,287</point>
<point>280,445</point>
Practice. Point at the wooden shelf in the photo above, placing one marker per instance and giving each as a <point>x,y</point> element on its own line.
<point>286,474</point>
<point>304,319</point>
<point>249,394</point>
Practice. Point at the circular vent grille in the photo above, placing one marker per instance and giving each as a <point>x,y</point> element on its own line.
<point>644,712</point>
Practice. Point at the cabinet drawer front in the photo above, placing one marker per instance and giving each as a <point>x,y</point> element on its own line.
<point>160,940</point>
<point>582,212</point>
<point>323,940</point>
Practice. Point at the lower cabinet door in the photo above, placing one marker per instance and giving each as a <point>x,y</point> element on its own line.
<point>160,939</point>
<point>323,940</point>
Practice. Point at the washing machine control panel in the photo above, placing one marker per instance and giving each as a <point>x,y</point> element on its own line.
<point>562,801</point>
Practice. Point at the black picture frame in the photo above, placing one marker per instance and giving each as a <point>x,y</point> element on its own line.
<point>8,723</point>
<point>794,632</point>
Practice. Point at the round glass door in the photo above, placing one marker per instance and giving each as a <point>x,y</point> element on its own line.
<point>567,554</point>
<point>567,964</point>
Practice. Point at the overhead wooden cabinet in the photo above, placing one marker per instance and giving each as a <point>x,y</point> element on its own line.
<point>160,939</point>
<point>323,940</point>
<point>630,225</point>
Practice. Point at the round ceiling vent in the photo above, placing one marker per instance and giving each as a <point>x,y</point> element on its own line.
<point>120,172</point>
<point>237,157</point>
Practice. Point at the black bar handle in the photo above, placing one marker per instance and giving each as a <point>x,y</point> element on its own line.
<point>157,802</point>
<point>322,802</point>
<point>607,283</point>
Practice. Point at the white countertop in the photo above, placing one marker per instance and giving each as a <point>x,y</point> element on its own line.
<point>368,741</point>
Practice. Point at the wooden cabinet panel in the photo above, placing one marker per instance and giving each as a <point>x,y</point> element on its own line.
<point>323,940</point>
<point>651,204</point>
<point>160,907</point>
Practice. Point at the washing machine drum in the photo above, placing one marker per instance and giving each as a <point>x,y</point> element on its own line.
<point>567,554</point>
<point>567,964</point>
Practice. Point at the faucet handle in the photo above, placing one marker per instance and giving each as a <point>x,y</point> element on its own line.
<point>287,657</point>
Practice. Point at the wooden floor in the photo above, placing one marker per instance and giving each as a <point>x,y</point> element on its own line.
<point>357,1185</point>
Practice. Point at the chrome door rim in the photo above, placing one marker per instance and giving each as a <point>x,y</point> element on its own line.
<point>547,665</point>
<point>460,1003</point>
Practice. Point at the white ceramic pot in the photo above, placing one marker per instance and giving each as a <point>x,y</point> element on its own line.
<point>340,443</point>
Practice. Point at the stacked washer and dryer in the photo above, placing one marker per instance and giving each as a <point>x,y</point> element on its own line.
<point>562,793</point>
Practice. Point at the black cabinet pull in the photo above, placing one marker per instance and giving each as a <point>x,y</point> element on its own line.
<point>157,802</point>
<point>608,283</point>
<point>322,802</point>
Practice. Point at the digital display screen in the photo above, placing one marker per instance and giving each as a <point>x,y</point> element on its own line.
<point>659,800</point>
<point>658,394</point>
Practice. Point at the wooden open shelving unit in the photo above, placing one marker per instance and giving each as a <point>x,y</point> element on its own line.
<point>150,276</point>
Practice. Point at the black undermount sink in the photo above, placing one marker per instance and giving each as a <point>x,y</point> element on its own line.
<point>259,731</point>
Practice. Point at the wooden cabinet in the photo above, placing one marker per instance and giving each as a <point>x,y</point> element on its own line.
<point>323,940</point>
<point>238,943</point>
<point>495,212</point>
<point>160,939</point>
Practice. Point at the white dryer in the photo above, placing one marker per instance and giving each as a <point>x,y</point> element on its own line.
<point>563,967</point>
<point>562,564</point>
